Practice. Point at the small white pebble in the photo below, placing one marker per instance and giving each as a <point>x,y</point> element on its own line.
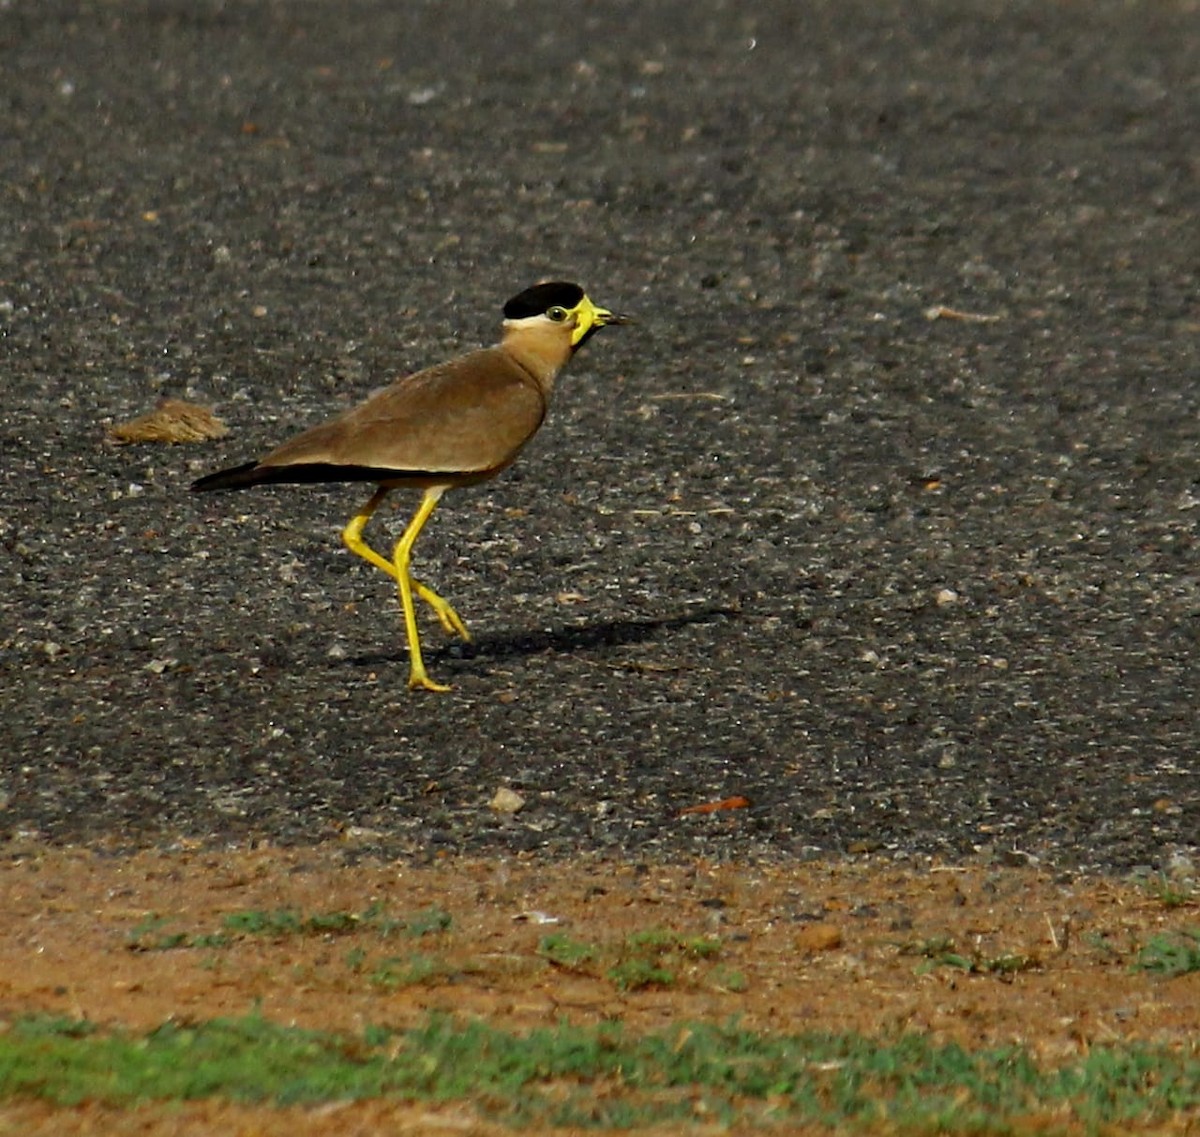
<point>506,800</point>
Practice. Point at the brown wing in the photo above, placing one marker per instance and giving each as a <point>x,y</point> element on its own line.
<point>468,416</point>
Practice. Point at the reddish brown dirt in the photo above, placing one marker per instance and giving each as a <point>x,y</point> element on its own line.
<point>837,947</point>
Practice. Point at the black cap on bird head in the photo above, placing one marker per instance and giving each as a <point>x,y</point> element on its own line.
<point>536,300</point>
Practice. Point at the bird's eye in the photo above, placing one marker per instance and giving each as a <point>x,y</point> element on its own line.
<point>556,314</point>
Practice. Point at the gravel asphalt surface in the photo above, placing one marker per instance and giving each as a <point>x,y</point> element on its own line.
<point>909,584</point>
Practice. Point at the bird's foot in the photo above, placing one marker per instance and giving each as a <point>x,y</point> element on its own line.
<point>450,619</point>
<point>417,678</point>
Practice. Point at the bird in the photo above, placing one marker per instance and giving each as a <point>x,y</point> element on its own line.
<point>454,424</point>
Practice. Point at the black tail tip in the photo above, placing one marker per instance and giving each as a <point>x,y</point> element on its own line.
<point>232,479</point>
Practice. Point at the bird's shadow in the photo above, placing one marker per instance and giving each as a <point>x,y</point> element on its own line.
<point>563,640</point>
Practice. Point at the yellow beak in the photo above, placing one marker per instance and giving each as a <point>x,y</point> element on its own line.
<point>589,317</point>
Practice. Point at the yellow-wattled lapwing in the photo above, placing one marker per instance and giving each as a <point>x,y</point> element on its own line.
<point>454,424</point>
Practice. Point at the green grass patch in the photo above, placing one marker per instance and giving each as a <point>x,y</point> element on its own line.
<point>652,958</point>
<point>940,951</point>
<point>728,979</point>
<point>408,971</point>
<point>567,953</point>
<point>1170,893</point>
<point>638,972</point>
<point>725,1074</point>
<point>1171,954</point>
<point>152,933</point>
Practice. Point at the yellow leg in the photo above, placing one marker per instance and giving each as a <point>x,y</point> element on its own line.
<point>352,535</point>
<point>450,619</point>
<point>417,676</point>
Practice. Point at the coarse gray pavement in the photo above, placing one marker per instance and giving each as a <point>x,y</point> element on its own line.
<point>883,516</point>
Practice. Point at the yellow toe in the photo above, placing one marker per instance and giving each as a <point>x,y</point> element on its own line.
<point>449,618</point>
<point>419,679</point>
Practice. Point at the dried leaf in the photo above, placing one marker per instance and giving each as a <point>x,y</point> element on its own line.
<point>172,420</point>
<point>715,806</point>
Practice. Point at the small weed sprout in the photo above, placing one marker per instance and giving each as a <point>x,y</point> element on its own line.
<point>1171,954</point>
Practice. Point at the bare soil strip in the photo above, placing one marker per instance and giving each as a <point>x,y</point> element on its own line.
<point>977,955</point>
